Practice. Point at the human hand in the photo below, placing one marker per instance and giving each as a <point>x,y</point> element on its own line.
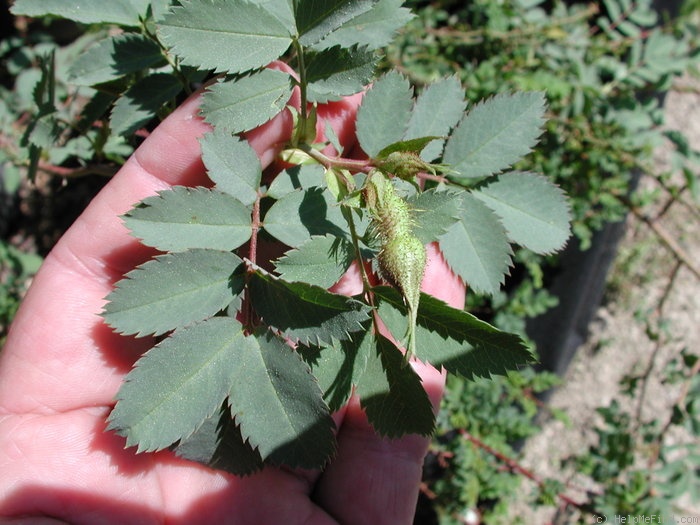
<point>62,367</point>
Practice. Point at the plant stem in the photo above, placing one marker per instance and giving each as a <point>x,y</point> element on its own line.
<point>303,81</point>
<point>336,162</point>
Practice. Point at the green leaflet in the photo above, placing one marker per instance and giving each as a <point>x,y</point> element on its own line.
<point>453,338</point>
<point>383,117</point>
<point>182,218</point>
<point>392,394</point>
<point>246,102</point>
<point>434,212</point>
<point>141,102</point>
<point>321,261</point>
<point>305,313</point>
<point>172,291</point>
<point>298,215</point>
<point>477,247</point>
<point>224,35</point>
<point>495,133</point>
<point>374,28</point>
<point>317,18</point>
<point>437,110</point>
<point>533,210</point>
<point>232,165</point>
<point>337,72</point>
<point>114,57</point>
<point>279,406</point>
<point>179,383</point>
<point>120,12</point>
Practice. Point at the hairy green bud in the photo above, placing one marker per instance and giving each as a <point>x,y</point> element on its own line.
<point>402,255</point>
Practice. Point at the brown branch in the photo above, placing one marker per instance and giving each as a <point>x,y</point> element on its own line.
<point>104,170</point>
<point>516,467</point>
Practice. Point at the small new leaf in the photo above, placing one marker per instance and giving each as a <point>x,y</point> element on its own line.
<point>173,291</point>
<point>183,218</point>
<point>495,134</point>
<point>309,314</point>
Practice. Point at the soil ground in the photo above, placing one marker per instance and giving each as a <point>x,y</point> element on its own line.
<point>647,286</point>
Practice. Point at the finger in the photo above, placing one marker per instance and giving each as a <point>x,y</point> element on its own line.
<point>374,480</point>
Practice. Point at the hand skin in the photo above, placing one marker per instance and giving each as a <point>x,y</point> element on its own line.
<point>62,366</point>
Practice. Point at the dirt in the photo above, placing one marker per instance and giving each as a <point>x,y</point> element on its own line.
<point>648,285</point>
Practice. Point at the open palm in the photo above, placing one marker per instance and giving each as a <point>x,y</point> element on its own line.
<point>62,366</point>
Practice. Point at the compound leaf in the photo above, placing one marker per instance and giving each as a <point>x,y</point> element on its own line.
<point>383,117</point>
<point>180,383</point>
<point>172,291</point>
<point>495,133</point>
<point>392,394</point>
<point>120,12</point>
<point>317,18</point>
<point>533,210</point>
<point>224,35</point>
<point>182,218</point>
<point>246,102</point>
<point>298,215</point>
<point>321,261</point>
<point>337,72</point>
<point>434,212</point>
<point>279,406</point>
<point>232,165</point>
<point>437,110</point>
<point>453,338</point>
<point>309,314</point>
<point>141,102</point>
<point>477,247</point>
<point>374,28</point>
<point>113,58</point>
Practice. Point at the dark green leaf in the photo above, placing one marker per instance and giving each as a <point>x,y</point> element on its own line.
<point>437,110</point>
<point>383,117</point>
<point>121,12</point>
<point>477,247</point>
<point>533,210</point>
<point>392,394</point>
<point>180,383</point>
<point>218,443</point>
<point>172,291</point>
<point>495,133</point>
<point>279,406</point>
<point>306,313</point>
<point>224,35</point>
<point>374,28</point>
<point>247,102</point>
<point>338,368</point>
<point>142,101</point>
<point>114,57</point>
<point>453,338</point>
<point>316,18</point>
<point>434,212</point>
<point>298,215</point>
<point>232,164</point>
<point>337,72</point>
<point>321,261</point>
<point>182,218</point>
